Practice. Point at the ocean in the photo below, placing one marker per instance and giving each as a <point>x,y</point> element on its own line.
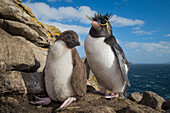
<point>150,77</point>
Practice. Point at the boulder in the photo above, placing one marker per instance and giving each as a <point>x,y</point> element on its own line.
<point>9,11</point>
<point>16,54</point>
<point>40,53</point>
<point>135,108</point>
<point>102,109</point>
<point>152,100</point>
<point>168,111</point>
<point>14,10</point>
<point>34,82</point>
<point>19,29</point>
<point>135,96</point>
<point>12,82</point>
<point>40,30</point>
<point>166,105</point>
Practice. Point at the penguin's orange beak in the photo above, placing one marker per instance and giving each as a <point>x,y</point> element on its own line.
<point>95,24</point>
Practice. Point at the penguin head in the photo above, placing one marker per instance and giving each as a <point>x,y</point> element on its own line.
<point>101,25</point>
<point>70,38</point>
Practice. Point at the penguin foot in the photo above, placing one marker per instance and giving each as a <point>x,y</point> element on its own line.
<point>109,97</point>
<point>101,91</point>
<point>66,103</point>
<point>40,101</point>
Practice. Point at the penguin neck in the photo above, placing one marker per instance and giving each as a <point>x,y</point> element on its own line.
<point>99,33</point>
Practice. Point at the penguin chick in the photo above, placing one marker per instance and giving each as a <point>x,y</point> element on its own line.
<point>65,73</point>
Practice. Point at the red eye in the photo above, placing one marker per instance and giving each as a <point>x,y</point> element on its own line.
<point>95,24</point>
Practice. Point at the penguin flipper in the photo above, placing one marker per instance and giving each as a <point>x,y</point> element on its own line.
<point>87,68</point>
<point>123,64</point>
<point>79,76</point>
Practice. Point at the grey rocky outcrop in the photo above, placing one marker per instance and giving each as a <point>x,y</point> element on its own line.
<point>24,42</point>
<point>152,100</point>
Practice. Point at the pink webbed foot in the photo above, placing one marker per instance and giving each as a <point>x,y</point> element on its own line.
<point>111,96</point>
<point>41,101</point>
<point>66,103</point>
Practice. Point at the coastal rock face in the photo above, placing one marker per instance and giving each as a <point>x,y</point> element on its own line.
<point>16,54</point>
<point>12,82</point>
<point>152,100</point>
<point>34,82</point>
<point>19,29</point>
<point>24,42</point>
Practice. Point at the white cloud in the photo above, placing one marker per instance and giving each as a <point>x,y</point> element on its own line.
<point>150,38</point>
<point>63,27</point>
<point>142,32</point>
<point>121,21</point>
<point>136,28</point>
<point>59,0</point>
<point>45,12</point>
<point>168,35</point>
<point>53,0</point>
<point>69,0</point>
<point>160,47</point>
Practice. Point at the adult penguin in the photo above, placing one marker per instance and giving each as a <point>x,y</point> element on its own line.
<point>105,57</point>
<point>65,72</point>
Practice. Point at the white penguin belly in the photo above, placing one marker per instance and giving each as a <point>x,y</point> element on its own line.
<point>58,72</point>
<point>104,64</point>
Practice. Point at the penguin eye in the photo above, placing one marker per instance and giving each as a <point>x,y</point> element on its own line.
<point>69,36</point>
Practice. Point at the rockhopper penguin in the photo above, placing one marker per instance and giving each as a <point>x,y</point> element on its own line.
<point>105,57</point>
<point>65,72</point>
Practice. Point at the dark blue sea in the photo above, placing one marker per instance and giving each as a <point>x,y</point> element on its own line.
<point>150,77</point>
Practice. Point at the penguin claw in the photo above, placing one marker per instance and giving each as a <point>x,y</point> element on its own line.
<point>108,97</point>
<point>35,103</point>
<point>40,101</point>
<point>60,109</point>
<point>36,98</point>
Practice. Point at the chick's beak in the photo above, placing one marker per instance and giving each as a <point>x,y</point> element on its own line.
<point>77,43</point>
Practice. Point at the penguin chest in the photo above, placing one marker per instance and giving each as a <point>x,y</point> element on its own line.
<point>103,64</point>
<point>58,73</point>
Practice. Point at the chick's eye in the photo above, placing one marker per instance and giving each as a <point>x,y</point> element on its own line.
<point>69,36</point>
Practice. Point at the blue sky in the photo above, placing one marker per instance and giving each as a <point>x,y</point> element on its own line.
<point>142,27</point>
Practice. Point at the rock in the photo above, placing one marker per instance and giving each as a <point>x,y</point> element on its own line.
<point>136,96</point>
<point>34,82</point>
<point>20,29</point>
<point>12,82</point>
<point>166,105</point>
<point>16,54</point>
<point>168,111</point>
<point>53,32</point>
<point>40,30</point>
<point>139,109</point>
<point>40,53</point>
<point>14,10</point>
<point>102,109</point>
<point>9,11</point>
<point>91,103</point>
<point>152,100</point>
